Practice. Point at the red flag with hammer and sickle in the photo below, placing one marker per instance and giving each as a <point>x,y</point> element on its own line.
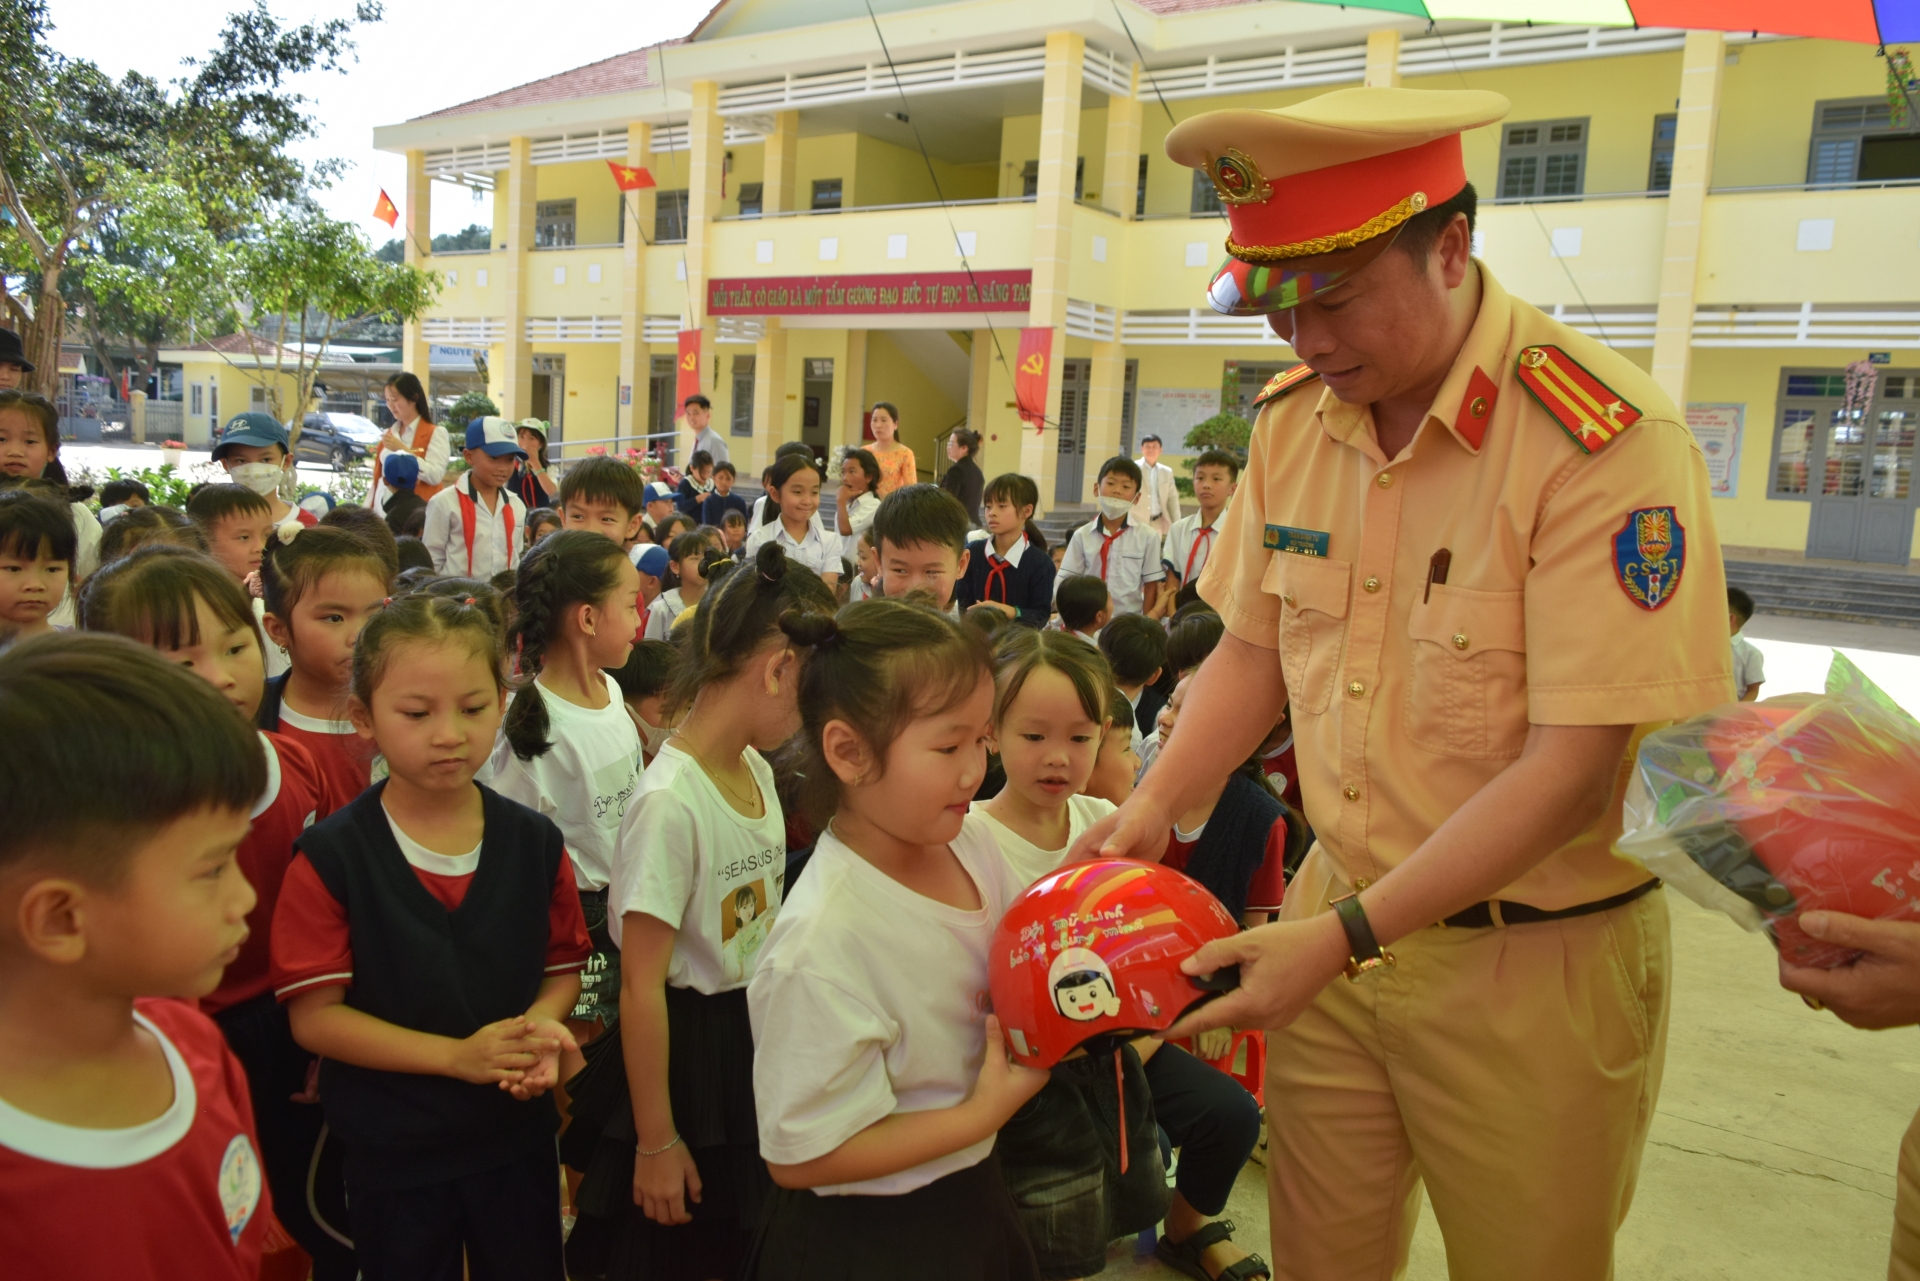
<point>1030,370</point>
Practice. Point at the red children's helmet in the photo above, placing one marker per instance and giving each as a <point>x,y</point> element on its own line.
<point>1823,798</point>
<point>1094,951</point>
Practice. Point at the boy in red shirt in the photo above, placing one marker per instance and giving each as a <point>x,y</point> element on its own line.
<point>127,784</point>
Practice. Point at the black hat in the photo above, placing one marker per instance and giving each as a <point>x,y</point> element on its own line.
<point>11,352</point>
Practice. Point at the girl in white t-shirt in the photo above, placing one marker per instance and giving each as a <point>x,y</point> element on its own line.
<point>698,877</point>
<point>879,1076</point>
<point>689,553</point>
<point>567,747</point>
<point>1051,693</point>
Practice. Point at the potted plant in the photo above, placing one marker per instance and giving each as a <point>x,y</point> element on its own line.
<point>173,453</point>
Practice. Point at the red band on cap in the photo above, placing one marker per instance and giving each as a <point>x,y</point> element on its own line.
<point>1340,199</point>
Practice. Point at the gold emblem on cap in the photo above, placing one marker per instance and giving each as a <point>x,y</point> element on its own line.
<point>1533,358</point>
<point>1418,200</point>
<point>1237,179</point>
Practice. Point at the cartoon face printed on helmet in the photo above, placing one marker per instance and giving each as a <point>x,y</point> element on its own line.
<point>1082,986</point>
<point>1092,952</point>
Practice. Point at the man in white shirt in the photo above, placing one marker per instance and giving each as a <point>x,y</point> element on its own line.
<point>477,527</point>
<point>1159,502</point>
<point>699,412</point>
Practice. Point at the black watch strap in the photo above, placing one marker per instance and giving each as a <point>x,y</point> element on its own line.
<point>1363,950</point>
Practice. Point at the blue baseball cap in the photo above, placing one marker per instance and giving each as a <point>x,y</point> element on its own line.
<point>659,491</point>
<point>495,436</point>
<point>402,470</point>
<point>651,558</point>
<point>250,428</point>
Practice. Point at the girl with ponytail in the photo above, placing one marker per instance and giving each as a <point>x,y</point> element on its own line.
<point>689,552</point>
<point>567,748</point>
<point>881,1080</point>
<point>698,878</point>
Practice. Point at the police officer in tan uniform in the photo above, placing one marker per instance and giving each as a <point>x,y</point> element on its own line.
<point>1472,550</point>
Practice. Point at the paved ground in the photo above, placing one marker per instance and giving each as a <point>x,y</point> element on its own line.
<point>1772,1154</point>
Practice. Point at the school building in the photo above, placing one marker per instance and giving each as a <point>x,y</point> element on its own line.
<point>850,211</point>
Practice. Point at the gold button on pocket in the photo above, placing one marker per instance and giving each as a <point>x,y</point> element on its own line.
<point>1356,689</point>
<point>1460,640</point>
<point>1372,584</point>
<point>1287,600</point>
<point>1385,480</point>
<point>1351,793</point>
<point>1360,883</point>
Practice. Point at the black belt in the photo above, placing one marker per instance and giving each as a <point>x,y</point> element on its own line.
<point>1483,916</point>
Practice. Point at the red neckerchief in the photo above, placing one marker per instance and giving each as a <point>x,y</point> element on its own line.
<point>996,572</point>
<point>470,519</point>
<point>1106,545</point>
<point>1203,536</point>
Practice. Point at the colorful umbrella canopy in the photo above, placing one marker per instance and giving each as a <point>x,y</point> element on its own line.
<point>1863,21</point>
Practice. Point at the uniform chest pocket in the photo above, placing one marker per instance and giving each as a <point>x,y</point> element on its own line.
<point>1467,696</point>
<point>1313,623</point>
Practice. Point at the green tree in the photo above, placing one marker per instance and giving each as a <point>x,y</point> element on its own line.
<point>75,143</point>
<point>1227,431</point>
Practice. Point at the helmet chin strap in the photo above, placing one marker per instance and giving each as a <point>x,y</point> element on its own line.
<point>1120,1090</point>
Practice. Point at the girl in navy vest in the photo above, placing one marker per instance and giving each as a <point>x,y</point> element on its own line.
<point>698,879</point>
<point>428,942</point>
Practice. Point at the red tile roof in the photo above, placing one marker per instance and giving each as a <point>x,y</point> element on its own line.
<point>619,74</point>
<point>625,72</point>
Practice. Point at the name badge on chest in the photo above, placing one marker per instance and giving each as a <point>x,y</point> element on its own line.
<point>1301,542</point>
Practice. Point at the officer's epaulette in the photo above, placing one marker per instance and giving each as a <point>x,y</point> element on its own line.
<point>1283,382</point>
<point>1587,409</point>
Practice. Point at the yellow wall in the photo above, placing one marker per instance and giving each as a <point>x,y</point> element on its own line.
<point>924,408</point>
<point>1766,104</point>
<point>890,175</point>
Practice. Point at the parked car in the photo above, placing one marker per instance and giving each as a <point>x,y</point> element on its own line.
<point>336,439</point>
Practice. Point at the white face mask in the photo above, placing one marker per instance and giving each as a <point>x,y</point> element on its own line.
<point>652,737</point>
<point>1115,508</point>
<point>262,478</point>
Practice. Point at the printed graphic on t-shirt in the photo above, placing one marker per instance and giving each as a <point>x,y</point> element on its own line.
<point>745,917</point>
<point>239,1185</point>
<point>613,786</point>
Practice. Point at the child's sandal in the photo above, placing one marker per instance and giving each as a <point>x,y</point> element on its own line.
<point>1187,1256</point>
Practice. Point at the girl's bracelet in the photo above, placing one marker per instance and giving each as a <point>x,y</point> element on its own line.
<point>667,1148</point>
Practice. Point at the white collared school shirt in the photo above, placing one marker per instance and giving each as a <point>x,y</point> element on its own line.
<point>1126,561</point>
<point>819,551</point>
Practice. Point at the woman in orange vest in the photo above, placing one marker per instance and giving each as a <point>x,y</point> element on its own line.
<point>414,432</point>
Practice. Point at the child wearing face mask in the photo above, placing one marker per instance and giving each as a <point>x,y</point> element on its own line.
<point>253,449</point>
<point>644,680</point>
<point>1119,552</point>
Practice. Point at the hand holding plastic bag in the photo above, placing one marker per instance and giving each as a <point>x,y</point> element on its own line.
<point>1803,802</point>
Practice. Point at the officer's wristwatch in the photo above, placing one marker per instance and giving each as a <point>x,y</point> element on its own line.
<point>1364,951</point>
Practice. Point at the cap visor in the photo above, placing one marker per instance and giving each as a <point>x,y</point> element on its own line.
<point>503,451</point>
<point>1242,288</point>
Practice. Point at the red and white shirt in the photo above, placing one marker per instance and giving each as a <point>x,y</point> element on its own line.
<point>312,947</point>
<point>1269,883</point>
<point>181,1196</point>
<point>1280,764</point>
<point>1186,548</point>
<point>297,796</point>
<point>343,758</point>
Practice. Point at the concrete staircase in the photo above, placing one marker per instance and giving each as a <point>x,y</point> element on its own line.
<point>1062,519</point>
<point>1884,597</point>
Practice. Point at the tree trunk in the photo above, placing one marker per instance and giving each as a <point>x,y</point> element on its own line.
<point>43,337</point>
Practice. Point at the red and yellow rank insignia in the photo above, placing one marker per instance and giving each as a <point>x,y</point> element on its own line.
<point>1586,408</point>
<point>1283,382</point>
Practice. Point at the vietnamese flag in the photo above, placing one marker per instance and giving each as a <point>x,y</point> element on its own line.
<point>385,210</point>
<point>1030,375</point>
<point>630,177</point>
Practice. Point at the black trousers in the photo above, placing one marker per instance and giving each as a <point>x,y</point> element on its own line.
<point>1210,1118</point>
<point>308,1197</point>
<point>504,1223</point>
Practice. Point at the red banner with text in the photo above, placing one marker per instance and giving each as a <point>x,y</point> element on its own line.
<point>903,293</point>
<point>1030,371</point>
<point>687,380</point>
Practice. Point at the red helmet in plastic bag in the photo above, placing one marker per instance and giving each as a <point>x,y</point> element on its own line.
<point>1827,801</point>
<point>1094,950</point>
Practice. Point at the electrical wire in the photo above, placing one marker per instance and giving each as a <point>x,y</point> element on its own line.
<point>940,195</point>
